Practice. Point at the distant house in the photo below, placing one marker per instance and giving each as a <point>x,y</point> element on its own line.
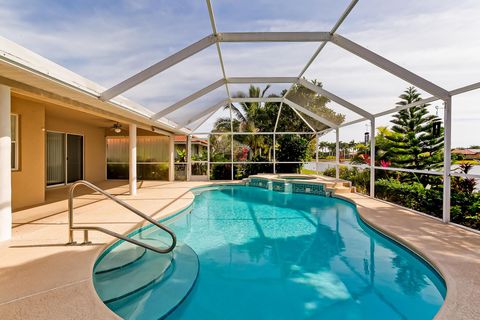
<point>468,154</point>
<point>199,145</point>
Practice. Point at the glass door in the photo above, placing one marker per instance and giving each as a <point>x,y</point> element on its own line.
<point>55,158</point>
<point>64,159</point>
<point>74,158</point>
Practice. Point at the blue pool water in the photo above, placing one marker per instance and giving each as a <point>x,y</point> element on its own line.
<point>270,255</point>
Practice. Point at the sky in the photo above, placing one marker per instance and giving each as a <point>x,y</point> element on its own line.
<point>108,41</point>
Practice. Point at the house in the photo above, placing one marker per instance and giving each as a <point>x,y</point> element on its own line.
<point>199,147</point>
<point>468,154</point>
<point>60,131</point>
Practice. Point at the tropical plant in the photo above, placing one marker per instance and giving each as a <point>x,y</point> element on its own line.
<point>414,144</point>
<point>291,148</point>
<point>255,118</point>
<point>315,103</point>
<point>181,155</point>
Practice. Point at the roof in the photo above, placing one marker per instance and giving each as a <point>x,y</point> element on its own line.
<point>195,139</point>
<point>466,151</point>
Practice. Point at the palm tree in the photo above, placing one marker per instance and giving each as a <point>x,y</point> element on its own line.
<point>251,117</point>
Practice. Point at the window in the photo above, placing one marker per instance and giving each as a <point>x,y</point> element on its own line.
<point>152,157</point>
<point>14,139</point>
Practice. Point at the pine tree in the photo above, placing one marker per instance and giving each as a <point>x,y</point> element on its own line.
<point>415,142</point>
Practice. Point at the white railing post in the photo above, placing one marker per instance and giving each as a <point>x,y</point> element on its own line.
<point>274,154</point>
<point>132,158</point>
<point>316,152</point>
<point>372,158</point>
<point>337,153</point>
<point>208,158</point>
<point>171,157</point>
<point>5,165</point>
<point>231,142</point>
<point>447,142</point>
<point>189,157</point>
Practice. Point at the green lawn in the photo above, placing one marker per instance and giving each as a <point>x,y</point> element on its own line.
<point>307,171</point>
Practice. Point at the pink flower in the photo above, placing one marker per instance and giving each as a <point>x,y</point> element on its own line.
<point>385,163</point>
<point>365,158</point>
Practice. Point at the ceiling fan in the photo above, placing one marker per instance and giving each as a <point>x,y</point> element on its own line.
<point>117,127</point>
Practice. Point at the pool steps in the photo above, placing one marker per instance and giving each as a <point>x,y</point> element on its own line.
<point>120,257</point>
<point>308,184</point>
<point>123,286</point>
<point>137,273</point>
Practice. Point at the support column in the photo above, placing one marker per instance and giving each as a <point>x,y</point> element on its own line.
<point>447,159</point>
<point>189,157</point>
<point>171,158</point>
<point>316,153</point>
<point>208,158</point>
<point>372,158</point>
<point>5,165</point>
<point>132,159</point>
<point>231,156</point>
<point>274,154</point>
<point>337,153</point>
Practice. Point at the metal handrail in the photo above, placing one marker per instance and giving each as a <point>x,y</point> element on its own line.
<point>109,232</point>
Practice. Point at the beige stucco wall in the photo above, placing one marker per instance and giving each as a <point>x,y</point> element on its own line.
<point>93,141</point>
<point>28,183</point>
<point>35,118</point>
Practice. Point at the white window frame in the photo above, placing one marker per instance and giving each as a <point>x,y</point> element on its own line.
<point>16,142</point>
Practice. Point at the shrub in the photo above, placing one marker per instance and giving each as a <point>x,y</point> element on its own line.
<point>410,195</point>
<point>465,207</point>
<point>360,178</point>
<point>291,148</point>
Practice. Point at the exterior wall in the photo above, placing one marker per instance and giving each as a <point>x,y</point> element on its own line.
<point>93,141</point>
<point>28,182</point>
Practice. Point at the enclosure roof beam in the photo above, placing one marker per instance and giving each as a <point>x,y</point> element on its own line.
<point>189,99</point>
<point>407,106</point>
<point>473,86</point>
<point>250,100</point>
<point>310,113</point>
<point>337,99</point>
<point>343,16</point>
<point>332,31</point>
<point>389,66</point>
<point>352,122</point>
<point>470,87</point>
<point>303,119</point>
<point>262,80</point>
<point>320,48</point>
<point>278,117</point>
<point>219,51</point>
<point>203,121</point>
<point>274,36</point>
<point>200,115</point>
<point>157,68</point>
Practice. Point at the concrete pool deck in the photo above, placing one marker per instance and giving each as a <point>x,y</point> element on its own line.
<point>42,278</point>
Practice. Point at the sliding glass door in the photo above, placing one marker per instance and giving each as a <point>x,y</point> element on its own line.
<point>64,159</point>
<point>55,158</point>
<point>74,158</point>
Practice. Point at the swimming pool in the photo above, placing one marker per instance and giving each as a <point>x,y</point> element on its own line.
<point>270,255</point>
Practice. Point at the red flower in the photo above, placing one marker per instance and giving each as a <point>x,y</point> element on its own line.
<point>385,163</point>
<point>365,158</point>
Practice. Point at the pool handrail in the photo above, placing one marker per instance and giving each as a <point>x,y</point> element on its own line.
<point>85,229</point>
